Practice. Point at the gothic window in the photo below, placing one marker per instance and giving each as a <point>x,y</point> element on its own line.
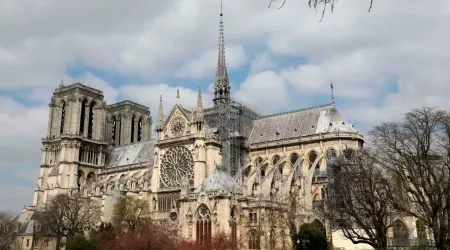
<point>173,216</point>
<point>254,188</point>
<point>275,160</point>
<point>294,158</point>
<point>203,229</point>
<point>233,217</point>
<point>132,128</point>
<point>348,153</point>
<point>154,204</point>
<point>91,120</point>
<point>82,117</point>
<point>63,116</point>
<point>168,201</point>
<point>254,240</point>
<point>401,235</point>
<point>258,161</point>
<point>176,164</point>
<point>113,130</point>
<point>139,133</point>
<point>331,153</point>
<point>177,126</point>
<point>312,158</point>
<point>272,238</point>
<point>81,178</point>
<point>319,226</point>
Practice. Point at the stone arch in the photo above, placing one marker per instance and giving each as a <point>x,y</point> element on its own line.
<point>133,120</point>
<point>400,233</point>
<point>81,177</point>
<point>276,161</point>
<point>113,128</point>
<point>84,104</point>
<point>233,223</point>
<point>91,118</point>
<point>318,224</point>
<point>140,128</point>
<point>331,153</point>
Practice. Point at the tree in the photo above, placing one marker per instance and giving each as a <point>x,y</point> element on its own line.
<point>220,241</point>
<point>358,202</point>
<point>130,212</point>
<point>65,215</point>
<point>416,151</point>
<point>316,3</point>
<point>7,230</point>
<point>79,242</point>
<point>311,237</point>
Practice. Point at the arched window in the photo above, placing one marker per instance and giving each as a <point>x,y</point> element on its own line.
<point>81,178</point>
<point>272,238</point>
<point>82,116</point>
<point>263,171</point>
<point>91,120</point>
<point>90,179</point>
<point>258,161</point>
<point>401,235</point>
<point>113,130</point>
<point>254,240</point>
<point>233,220</point>
<point>312,158</point>
<point>294,158</point>
<point>203,230</point>
<point>132,128</point>
<point>331,153</point>
<point>63,116</point>
<point>319,226</point>
<point>275,160</point>
<point>139,134</point>
<point>254,188</point>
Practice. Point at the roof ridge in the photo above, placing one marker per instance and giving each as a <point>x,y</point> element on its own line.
<point>298,110</point>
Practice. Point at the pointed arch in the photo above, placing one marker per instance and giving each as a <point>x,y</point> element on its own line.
<point>400,234</point>
<point>203,227</point>
<point>82,116</point>
<point>233,224</point>
<point>113,129</point>
<point>63,117</point>
<point>140,127</point>
<point>90,179</point>
<point>254,240</point>
<point>421,232</point>
<point>91,119</point>
<point>312,157</point>
<point>133,119</point>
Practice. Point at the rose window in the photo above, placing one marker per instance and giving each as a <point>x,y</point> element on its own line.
<point>176,164</point>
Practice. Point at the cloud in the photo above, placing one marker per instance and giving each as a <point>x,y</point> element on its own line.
<point>262,62</point>
<point>265,90</point>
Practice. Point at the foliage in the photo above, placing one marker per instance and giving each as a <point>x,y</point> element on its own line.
<point>7,230</point>
<point>65,215</point>
<point>103,233</point>
<point>145,237</point>
<point>130,212</point>
<point>416,152</point>
<point>79,242</point>
<point>358,202</point>
<point>220,241</point>
<point>312,238</point>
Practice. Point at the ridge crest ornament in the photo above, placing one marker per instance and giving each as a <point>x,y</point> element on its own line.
<point>176,164</point>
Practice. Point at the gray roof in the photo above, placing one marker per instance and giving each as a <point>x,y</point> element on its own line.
<point>298,123</point>
<point>141,152</point>
<point>219,179</point>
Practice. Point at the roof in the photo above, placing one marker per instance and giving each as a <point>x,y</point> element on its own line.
<point>219,179</point>
<point>141,152</point>
<point>298,123</point>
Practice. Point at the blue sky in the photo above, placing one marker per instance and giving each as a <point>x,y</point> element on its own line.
<point>382,63</point>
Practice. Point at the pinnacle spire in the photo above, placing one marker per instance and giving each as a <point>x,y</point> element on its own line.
<point>199,113</point>
<point>160,124</point>
<point>221,83</point>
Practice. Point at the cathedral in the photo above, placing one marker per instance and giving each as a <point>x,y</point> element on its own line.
<point>203,170</point>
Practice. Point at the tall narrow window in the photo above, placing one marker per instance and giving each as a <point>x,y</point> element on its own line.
<point>63,116</point>
<point>233,226</point>
<point>82,118</point>
<point>254,240</point>
<point>139,135</point>
<point>113,130</point>
<point>132,129</point>
<point>203,229</point>
<point>91,120</point>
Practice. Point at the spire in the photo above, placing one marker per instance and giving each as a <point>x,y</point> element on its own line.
<point>221,83</point>
<point>332,93</point>
<point>178,96</point>
<point>199,113</point>
<point>160,124</point>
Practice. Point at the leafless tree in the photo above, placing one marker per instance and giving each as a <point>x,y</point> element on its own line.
<point>358,203</point>
<point>130,212</point>
<point>7,230</point>
<point>65,215</point>
<point>316,4</point>
<point>416,151</point>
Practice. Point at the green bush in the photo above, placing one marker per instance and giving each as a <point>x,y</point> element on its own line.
<point>312,238</point>
<point>79,242</point>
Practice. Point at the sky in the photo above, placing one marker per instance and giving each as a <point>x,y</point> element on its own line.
<point>382,63</point>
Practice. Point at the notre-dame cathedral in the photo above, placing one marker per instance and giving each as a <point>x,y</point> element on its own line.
<point>202,170</point>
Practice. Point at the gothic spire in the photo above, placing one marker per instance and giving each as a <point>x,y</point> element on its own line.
<point>199,113</point>
<point>160,124</point>
<point>221,83</point>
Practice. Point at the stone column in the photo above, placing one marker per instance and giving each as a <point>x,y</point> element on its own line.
<point>136,130</point>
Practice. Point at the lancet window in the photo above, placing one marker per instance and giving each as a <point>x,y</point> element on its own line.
<point>203,229</point>
<point>91,120</point>
<point>63,117</point>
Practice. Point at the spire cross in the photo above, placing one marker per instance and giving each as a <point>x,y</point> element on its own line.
<point>332,92</point>
<point>221,7</point>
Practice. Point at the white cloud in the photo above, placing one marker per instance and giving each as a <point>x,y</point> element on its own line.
<point>265,90</point>
<point>262,62</point>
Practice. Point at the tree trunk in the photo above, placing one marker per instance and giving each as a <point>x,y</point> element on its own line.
<point>58,242</point>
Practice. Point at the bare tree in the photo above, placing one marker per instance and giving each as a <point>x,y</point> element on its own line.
<point>316,4</point>
<point>7,230</point>
<point>416,151</point>
<point>130,212</point>
<point>65,215</point>
<point>359,203</point>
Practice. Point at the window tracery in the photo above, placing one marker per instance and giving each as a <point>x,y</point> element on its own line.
<point>177,126</point>
<point>176,164</point>
<point>203,230</point>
